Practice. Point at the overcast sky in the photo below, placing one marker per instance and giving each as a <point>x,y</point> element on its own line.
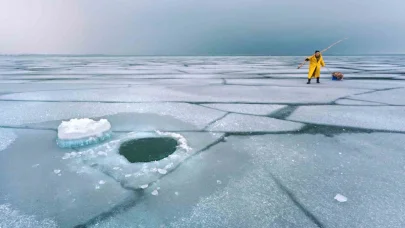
<point>201,27</point>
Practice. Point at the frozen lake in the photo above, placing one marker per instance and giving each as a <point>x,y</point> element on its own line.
<point>259,147</point>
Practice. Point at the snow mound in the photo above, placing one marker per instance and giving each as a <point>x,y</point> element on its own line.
<point>82,132</point>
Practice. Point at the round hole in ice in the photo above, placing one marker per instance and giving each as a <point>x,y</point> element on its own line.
<point>148,149</point>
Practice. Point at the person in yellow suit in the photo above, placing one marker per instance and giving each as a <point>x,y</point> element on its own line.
<point>315,64</point>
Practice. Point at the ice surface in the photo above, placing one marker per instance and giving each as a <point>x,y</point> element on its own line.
<point>19,87</point>
<point>391,97</point>
<point>7,137</point>
<point>19,113</point>
<point>265,173</point>
<point>326,82</point>
<point>246,197</point>
<point>247,108</point>
<point>31,161</point>
<point>10,217</point>
<point>231,93</point>
<point>246,123</point>
<point>381,117</point>
<point>319,172</point>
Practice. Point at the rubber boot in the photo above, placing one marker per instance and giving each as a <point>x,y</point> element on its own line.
<point>309,81</point>
<point>317,80</point>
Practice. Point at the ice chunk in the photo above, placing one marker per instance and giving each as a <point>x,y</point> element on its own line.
<point>162,171</point>
<point>7,137</point>
<point>144,186</point>
<point>57,171</point>
<point>340,198</point>
<point>219,182</point>
<point>182,141</point>
<point>82,128</point>
<point>66,156</point>
<point>101,182</point>
<point>82,132</point>
<point>155,192</point>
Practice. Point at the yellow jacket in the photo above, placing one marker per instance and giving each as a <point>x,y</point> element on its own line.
<point>315,66</point>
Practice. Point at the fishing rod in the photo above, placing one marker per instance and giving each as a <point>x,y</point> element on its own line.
<point>302,64</point>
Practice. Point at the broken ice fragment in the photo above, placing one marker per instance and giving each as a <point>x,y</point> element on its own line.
<point>116,168</point>
<point>176,193</point>
<point>219,182</point>
<point>169,166</point>
<point>162,171</point>
<point>82,132</point>
<point>155,193</point>
<point>128,175</point>
<point>56,171</point>
<point>97,187</point>
<point>101,182</point>
<point>154,170</point>
<point>35,166</point>
<point>340,198</point>
<point>102,153</point>
<point>144,186</point>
